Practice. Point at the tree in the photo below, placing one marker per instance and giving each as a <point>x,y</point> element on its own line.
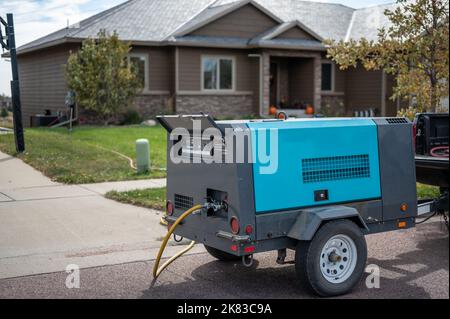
<point>4,113</point>
<point>414,48</point>
<point>101,77</point>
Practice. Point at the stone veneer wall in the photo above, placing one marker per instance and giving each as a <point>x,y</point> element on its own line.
<point>219,106</point>
<point>148,107</point>
<point>333,105</point>
<point>151,105</point>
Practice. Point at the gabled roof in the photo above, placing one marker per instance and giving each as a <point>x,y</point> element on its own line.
<point>218,10</point>
<point>169,22</point>
<point>367,21</point>
<point>139,21</point>
<point>284,27</point>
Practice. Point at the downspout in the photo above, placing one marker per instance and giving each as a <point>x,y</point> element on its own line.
<point>261,82</point>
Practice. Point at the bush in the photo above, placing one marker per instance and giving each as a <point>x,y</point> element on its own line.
<point>4,113</point>
<point>332,110</point>
<point>130,117</point>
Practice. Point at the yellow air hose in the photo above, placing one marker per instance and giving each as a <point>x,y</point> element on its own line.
<point>157,271</point>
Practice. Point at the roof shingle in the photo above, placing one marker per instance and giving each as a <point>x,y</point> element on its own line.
<point>158,21</point>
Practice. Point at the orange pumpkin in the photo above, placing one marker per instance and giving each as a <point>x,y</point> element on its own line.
<point>273,110</point>
<point>309,110</point>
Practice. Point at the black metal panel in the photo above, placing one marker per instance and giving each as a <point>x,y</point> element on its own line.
<point>397,169</point>
<point>196,180</point>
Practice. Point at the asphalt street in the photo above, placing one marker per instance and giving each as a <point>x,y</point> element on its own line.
<point>413,264</point>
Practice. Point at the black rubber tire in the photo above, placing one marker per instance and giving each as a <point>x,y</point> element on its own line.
<point>307,259</point>
<point>221,255</point>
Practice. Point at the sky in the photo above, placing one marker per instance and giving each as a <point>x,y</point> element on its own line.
<point>36,18</point>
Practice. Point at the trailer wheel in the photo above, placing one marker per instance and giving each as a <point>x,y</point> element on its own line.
<point>221,255</point>
<point>333,262</point>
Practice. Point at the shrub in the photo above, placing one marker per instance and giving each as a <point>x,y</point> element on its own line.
<point>130,117</point>
<point>4,113</point>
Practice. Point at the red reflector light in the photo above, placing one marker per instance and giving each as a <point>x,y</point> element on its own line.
<point>248,229</point>
<point>249,249</point>
<point>234,247</point>
<point>234,224</point>
<point>169,208</point>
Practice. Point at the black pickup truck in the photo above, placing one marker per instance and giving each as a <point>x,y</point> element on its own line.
<point>431,134</point>
<point>431,142</point>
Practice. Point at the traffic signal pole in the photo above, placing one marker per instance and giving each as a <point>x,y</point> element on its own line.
<point>10,45</point>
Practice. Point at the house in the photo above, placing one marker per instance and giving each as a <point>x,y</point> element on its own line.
<point>222,57</point>
<point>5,102</point>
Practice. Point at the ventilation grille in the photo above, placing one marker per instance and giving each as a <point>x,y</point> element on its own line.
<point>397,120</point>
<point>183,202</point>
<point>324,169</point>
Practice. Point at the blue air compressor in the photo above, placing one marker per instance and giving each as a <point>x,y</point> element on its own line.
<point>330,182</point>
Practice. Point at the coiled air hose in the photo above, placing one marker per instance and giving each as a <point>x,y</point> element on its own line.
<point>156,269</point>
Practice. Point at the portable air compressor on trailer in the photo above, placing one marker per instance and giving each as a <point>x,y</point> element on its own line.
<point>332,182</point>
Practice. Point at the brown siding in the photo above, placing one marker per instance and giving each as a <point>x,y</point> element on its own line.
<point>245,22</point>
<point>42,80</point>
<point>363,89</point>
<point>391,106</point>
<point>295,33</point>
<point>247,71</point>
<point>43,84</point>
<point>190,68</point>
<point>339,80</point>
<point>161,67</point>
<point>301,80</point>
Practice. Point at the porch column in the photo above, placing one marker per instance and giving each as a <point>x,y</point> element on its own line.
<point>317,82</point>
<point>266,84</point>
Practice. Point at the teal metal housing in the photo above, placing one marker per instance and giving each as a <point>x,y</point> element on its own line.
<point>320,162</point>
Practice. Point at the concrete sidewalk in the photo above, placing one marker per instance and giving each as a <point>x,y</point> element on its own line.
<point>45,226</point>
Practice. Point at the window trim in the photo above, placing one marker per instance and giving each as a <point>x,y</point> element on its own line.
<point>146,88</point>
<point>233,73</point>
<point>333,73</point>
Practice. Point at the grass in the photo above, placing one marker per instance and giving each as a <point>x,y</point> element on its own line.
<point>426,191</point>
<point>154,198</point>
<point>75,158</point>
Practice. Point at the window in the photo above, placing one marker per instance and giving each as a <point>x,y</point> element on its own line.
<point>218,73</point>
<point>327,77</point>
<point>140,63</point>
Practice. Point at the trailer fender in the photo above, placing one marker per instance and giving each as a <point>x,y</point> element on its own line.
<point>308,221</point>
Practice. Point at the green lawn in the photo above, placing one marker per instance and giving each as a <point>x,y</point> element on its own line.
<point>156,198</point>
<point>74,158</point>
<point>150,198</point>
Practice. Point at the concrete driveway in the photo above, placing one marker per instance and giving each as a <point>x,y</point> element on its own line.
<point>413,264</point>
<point>45,226</point>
